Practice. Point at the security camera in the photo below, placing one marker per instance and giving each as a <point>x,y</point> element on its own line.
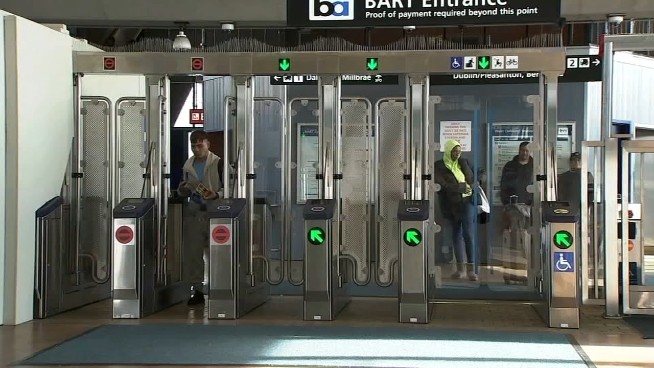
<point>227,27</point>
<point>409,28</point>
<point>615,18</point>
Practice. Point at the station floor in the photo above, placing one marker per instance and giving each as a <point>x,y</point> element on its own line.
<point>605,342</point>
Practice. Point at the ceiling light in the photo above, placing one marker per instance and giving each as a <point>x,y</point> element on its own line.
<point>181,42</point>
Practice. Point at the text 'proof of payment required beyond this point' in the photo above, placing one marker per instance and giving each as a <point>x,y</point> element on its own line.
<point>444,9</point>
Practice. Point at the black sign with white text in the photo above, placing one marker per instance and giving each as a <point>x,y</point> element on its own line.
<point>389,13</point>
<point>346,80</point>
<point>579,69</point>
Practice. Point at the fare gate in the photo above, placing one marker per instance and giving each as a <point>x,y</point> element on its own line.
<point>233,291</point>
<point>412,291</point>
<point>329,66</point>
<point>324,295</point>
<point>137,292</point>
<point>561,288</point>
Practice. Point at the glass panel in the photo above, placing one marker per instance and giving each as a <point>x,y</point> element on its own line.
<point>500,257</point>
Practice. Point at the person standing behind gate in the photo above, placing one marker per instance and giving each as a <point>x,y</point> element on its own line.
<point>456,179</point>
<point>202,182</point>
<point>517,175</point>
<point>569,184</point>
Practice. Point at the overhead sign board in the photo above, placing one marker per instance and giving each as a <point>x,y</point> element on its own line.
<point>347,80</point>
<point>432,13</point>
<point>467,71</point>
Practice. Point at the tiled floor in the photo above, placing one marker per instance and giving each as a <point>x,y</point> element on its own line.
<point>606,342</point>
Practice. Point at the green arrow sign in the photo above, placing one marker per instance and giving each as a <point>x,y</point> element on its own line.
<point>316,236</point>
<point>372,64</point>
<point>412,237</point>
<point>484,62</point>
<point>563,239</point>
<point>284,65</point>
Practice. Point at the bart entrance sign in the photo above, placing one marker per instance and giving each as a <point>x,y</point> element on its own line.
<point>389,13</point>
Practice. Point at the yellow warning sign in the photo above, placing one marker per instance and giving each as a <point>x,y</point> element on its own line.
<point>561,211</point>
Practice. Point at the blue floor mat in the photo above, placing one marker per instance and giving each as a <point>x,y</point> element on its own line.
<point>334,346</point>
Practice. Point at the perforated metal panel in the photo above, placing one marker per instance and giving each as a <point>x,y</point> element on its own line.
<point>131,148</point>
<point>390,171</point>
<point>356,187</point>
<point>95,207</point>
<point>268,136</point>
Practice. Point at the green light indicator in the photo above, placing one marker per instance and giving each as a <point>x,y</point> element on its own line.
<point>563,239</point>
<point>372,63</point>
<point>484,62</point>
<point>412,237</point>
<point>284,65</point>
<point>316,236</point>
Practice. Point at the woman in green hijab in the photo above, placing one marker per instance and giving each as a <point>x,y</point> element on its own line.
<point>456,179</point>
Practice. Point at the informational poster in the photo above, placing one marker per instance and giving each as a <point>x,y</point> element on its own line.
<point>460,131</point>
<point>506,139</point>
<point>307,158</point>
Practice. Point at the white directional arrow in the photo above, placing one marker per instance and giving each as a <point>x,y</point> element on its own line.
<point>277,78</point>
<point>596,62</point>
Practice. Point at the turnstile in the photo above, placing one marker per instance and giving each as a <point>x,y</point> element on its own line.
<point>324,289</point>
<point>413,298</point>
<point>561,288</point>
<point>237,281</point>
<point>135,286</point>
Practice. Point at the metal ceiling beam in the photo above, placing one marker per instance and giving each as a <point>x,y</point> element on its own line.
<point>205,13</point>
<point>350,62</point>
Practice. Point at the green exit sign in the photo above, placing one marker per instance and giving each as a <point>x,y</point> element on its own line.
<point>484,62</point>
<point>284,65</point>
<point>372,64</point>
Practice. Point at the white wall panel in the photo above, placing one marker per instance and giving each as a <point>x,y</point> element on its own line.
<point>39,117</point>
<point>593,113</point>
<point>632,89</point>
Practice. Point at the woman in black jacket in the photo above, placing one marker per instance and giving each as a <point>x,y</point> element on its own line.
<point>456,179</point>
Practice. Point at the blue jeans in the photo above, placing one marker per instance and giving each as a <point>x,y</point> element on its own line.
<point>462,230</point>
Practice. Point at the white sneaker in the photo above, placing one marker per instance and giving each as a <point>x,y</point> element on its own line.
<point>472,276</point>
<point>457,275</point>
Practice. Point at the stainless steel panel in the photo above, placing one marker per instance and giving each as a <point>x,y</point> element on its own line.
<point>631,42</point>
<point>223,266</point>
<point>326,62</point>
<point>413,298</point>
<point>390,169</point>
<point>318,271</point>
<point>642,297</point>
<point>131,147</point>
<point>125,273</point>
<point>356,203</point>
<point>95,196</point>
<point>592,252</point>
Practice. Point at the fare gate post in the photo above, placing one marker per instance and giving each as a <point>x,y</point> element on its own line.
<point>231,293</point>
<point>322,294</point>
<point>560,221</point>
<point>413,298</point>
<point>133,265</point>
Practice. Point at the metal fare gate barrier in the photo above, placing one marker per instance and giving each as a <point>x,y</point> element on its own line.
<point>133,258</point>
<point>232,292</point>
<point>561,261</point>
<point>329,65</point>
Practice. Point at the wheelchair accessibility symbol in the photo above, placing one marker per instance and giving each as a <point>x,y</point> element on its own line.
<point>564,262</point>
